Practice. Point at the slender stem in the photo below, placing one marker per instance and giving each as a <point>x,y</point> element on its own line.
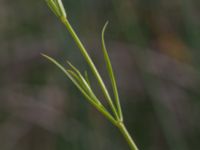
<point>91,64</point>
<point>127,136</point>
<point>119,123</point>
<point>58,9</point>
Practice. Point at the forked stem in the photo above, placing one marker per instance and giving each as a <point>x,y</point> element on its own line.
<point>57,7</point>
<point>118,121</point>
<point>91,64</point>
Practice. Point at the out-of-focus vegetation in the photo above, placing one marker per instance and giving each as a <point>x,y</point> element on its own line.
<point>154,47</point>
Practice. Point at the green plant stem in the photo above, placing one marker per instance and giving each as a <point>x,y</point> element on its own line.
<point>118,121</point>
<point>127,136</point>
<point>83,85</point>
<point>90,63</point>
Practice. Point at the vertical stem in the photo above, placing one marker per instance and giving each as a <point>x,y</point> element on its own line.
<point>127,136</point>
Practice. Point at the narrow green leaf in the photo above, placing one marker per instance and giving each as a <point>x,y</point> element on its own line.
<point>80,75</point>
<point>57,7</point>
<point>84,86</point>
<point>60,7</point>
<point>75,76</point>
<point>87,78</point>
<point>69,75</point>
<point>92,101</point>
<point>92,66</point>
<point>79,85</point>
<point>57,64</point>
<point>110,72</point>
<point>98,106</point>
<point>84,83</point>
<point>53,7</point>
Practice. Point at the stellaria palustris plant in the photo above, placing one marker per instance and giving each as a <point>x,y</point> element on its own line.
<point>82,83</point>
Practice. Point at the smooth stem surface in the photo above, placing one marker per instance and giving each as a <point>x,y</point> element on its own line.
<point>90,63</point>
<point>116,121</point>
<point>127,136</point>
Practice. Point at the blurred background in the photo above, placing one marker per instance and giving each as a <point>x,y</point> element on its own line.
<point>154,48</point>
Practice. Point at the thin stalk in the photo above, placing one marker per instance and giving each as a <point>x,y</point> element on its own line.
<point>118,121</point>
<point>127,136</point>
<point>90,63</point>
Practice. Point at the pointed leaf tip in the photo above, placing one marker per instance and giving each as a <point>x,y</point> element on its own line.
<point>104,28</point>
<point>111,73</point>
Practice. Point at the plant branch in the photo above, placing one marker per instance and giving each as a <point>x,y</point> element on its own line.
<point>83,83</point>
<point>91,64</point>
